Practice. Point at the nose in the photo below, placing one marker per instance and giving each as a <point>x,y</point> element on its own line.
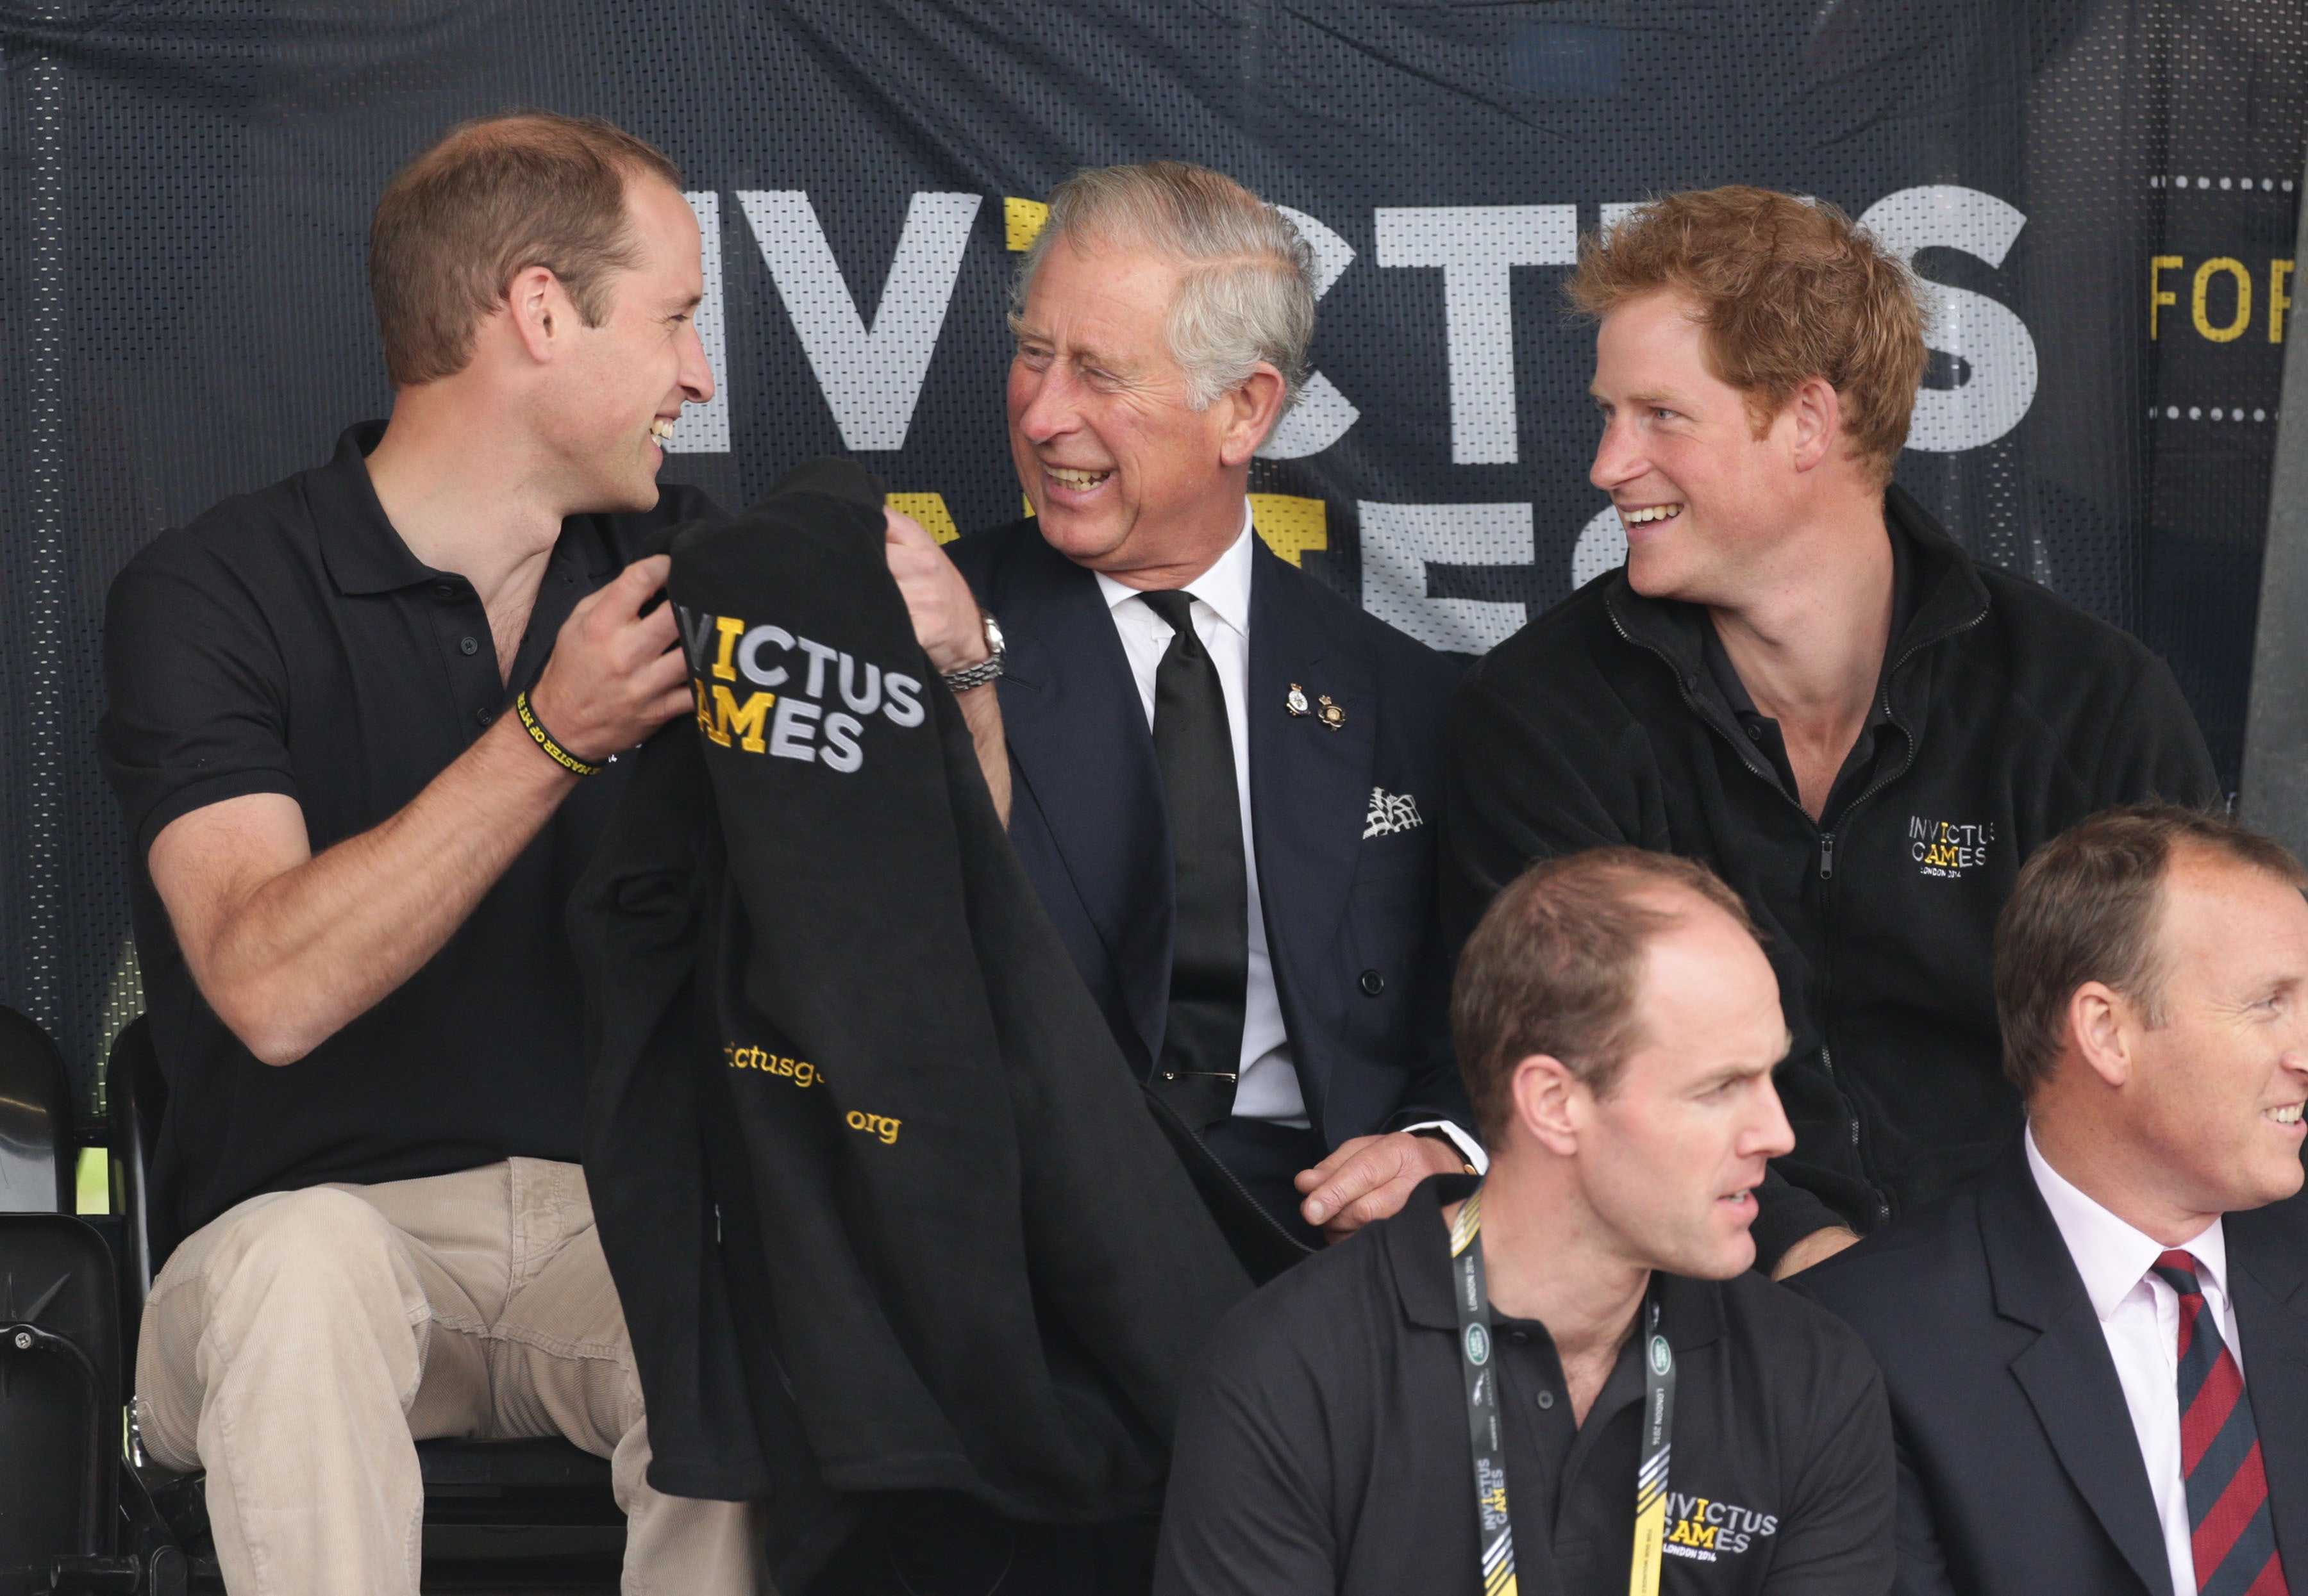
<point>696,372</point>
<point>1618,457</point>
<point>1048,410</point>
<point>1768,1135</point>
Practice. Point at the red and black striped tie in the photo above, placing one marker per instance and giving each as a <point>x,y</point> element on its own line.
<point>2234,1540</point>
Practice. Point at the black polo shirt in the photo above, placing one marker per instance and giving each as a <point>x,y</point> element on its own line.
<point>288,642</point>
<point>1322,1446</point>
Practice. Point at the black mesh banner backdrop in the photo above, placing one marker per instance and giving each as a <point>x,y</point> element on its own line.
<point>2099,194</point>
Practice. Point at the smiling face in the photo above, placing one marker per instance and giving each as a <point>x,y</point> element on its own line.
<point>1703,499</point>
<point>613,402</point>
<point>1124,476</point>
<point>2215,1097</point>
<point>1669,1161</point>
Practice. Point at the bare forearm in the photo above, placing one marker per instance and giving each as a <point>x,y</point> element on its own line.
<point>319,945</point>
<point>982,709</point>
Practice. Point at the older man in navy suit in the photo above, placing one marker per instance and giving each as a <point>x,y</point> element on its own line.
<point>2097,1350</point>
<point>1225,776</point>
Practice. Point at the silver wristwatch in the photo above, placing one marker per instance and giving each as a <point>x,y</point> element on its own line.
<point>986,670</point>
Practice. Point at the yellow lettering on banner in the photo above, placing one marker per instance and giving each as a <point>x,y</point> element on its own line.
<point>2234,330</point>
<point>731,628</point>
<point>2278,301</point>
<point>1022,221</point>
<point>2158,295</point>
<point>747,721</point>
<point>1030,509</point>
<point>929,509</point>
<point>1291,525</point>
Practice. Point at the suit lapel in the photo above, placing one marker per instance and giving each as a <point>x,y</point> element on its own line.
<point>1076,733</point>
<point>2066,1372</point>
<point>1310,785</point>
<point>2271,1314</point>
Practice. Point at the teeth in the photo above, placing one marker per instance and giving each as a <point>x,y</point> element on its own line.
<point>661,430</point>
<point>2287,1115</point>
<point>1656,512</point>
<point>1081,481</point>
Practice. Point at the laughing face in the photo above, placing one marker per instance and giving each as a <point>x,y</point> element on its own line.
<point>1124,477</point>
<point>1671,1158</point>
<point>2216,1088</point>
<point>1701,495</point>
<point>627,379</point>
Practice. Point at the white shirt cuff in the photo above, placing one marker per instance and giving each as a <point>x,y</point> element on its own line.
<point>1469,1147</point>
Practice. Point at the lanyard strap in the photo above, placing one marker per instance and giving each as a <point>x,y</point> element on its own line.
<point>1487,1440</point>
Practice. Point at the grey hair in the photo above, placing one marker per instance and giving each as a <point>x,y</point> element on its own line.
<point>1249,294</point>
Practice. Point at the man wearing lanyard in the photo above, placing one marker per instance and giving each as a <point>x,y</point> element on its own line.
<point>1576,1383</point>
<point>2097,1352</point>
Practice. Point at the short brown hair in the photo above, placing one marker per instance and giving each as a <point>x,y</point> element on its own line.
<point>2085,908</point>
<point>494,197</point>
<point>1553,967</point>
<point>1786,289</point>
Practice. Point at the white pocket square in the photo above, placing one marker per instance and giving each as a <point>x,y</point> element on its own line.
<point>1391,812</point>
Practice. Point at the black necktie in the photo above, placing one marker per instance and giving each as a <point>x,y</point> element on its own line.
<point>1210,947</point>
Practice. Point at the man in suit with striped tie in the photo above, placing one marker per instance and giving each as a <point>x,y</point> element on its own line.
<point>2097,1352</point>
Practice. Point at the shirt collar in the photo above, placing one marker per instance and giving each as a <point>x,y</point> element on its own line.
<point>364,554</point>
<point>2111,1257</point>
<point>1225,587</point>
<point>1419,1255</point>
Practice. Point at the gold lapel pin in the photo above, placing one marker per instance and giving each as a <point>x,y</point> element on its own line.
<point>1331,713</point>
<point>1297,702</point>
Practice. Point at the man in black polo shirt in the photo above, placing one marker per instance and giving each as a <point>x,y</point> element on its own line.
<point>359,723</point>
<point>1595,1323</point>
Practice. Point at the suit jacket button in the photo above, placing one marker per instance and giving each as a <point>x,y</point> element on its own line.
<point>1372,982</point>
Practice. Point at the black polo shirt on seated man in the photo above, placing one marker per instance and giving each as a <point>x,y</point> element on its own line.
<point>288,642</point>
<point>1323,1442</point>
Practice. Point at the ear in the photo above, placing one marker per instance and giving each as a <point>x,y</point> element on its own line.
<point>1815,412</point>
<point>1550,1103</point>
<point>2100,1021</point>
<point>540,311</point>
<point>1252,411</point>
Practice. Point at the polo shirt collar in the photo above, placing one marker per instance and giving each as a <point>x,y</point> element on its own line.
<point>2112,1256</point>
<point>1225,587</point>
<point>1419,1254</point>
<point>363,551</point>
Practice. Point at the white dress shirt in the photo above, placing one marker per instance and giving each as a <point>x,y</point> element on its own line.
<point>2140,1316</point>
<point>1268,1085</point>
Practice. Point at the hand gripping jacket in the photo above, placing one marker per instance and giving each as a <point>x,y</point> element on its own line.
<point>885,1207</point>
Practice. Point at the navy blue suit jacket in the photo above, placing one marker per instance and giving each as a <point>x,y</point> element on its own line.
<point>1351,921</point>
<point>2019,1472</point>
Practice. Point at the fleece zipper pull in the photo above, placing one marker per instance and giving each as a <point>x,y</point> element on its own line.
<point>1827,855</point>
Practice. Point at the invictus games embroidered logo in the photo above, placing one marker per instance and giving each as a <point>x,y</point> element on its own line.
<point>798,723</point>
<point>1391,812</point>
<point>1707,1531</point>
<point>1948,848</point>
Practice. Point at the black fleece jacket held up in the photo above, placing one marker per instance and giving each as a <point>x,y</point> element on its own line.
<point>886,1209</point>
<point>2012,715</point>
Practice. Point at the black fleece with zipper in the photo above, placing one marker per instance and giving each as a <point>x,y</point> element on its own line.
<point>888,1213</point>
<point>2003,716</point>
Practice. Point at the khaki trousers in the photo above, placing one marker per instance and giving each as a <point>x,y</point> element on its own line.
<point>300,1344</point>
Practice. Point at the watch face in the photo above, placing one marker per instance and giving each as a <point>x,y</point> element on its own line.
<point>992,632</point>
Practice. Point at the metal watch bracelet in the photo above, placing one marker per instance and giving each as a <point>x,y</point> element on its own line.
<point>986,670</point>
